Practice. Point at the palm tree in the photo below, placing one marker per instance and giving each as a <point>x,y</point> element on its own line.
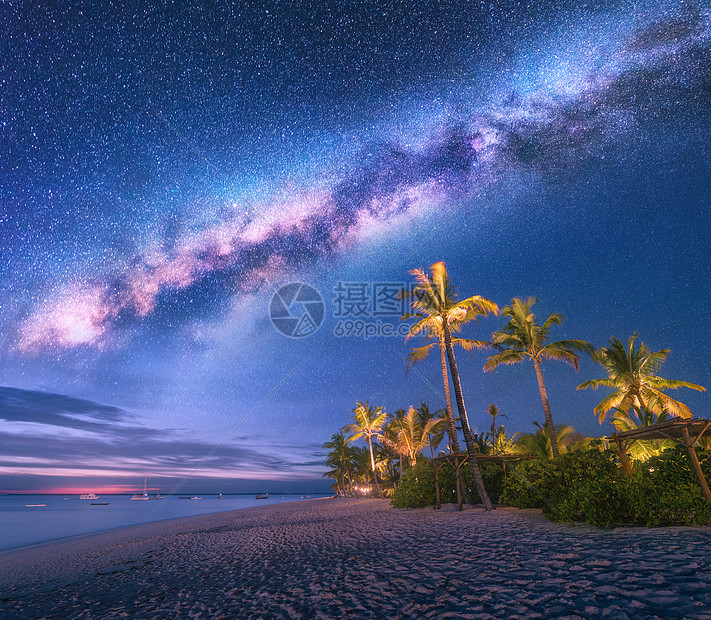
<point>431,328</point>
<point>631,373</point>
<point>523,338</point>
<point>412,437</point>
<point>368,422</point>
<point>637,417</point>
<point>436,435</point>
<point>539,443</point>
<point>434,301</point>
<point>493,411</point>
<point>390,431</point>
<point>361,463</point>
<point>339,458</point>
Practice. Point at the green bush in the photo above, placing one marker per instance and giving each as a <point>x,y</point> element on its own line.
<point>522,487</point>
<point>589,487</point>
<point>417,487</point>
<point>491,473</point>
<point>579,487</point>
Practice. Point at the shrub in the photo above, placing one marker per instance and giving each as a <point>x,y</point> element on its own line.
<point>417,487</point>
<point>588,487</point>
<point>580,487</point>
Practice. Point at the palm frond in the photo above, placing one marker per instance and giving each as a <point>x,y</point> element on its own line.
<point>418,354</point>
<point>505,357</point>
<point>470,345</point>
<point>614,400</point>
<point>673,384</point>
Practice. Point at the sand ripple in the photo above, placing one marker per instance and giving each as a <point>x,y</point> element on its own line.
<point>363,559</point>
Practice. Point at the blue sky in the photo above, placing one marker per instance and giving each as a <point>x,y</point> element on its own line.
<point>165,171</point>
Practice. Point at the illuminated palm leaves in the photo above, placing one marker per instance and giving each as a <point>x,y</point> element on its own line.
<point>411,436</point>
<point>631,372</point>
<point>439,313</point>
<point>368,424</point>
<point>524,338</point>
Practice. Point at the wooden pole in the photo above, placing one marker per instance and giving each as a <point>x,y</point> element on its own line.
<point>695,465</point>
<point>438,504</point>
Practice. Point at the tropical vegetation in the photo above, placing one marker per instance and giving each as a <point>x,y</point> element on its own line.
<point>570,477</point>
<point>523,338</point>
<point>631,372</point>
<point>439,312</point>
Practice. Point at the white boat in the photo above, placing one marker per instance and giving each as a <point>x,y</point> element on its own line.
<point>138,497</point>
<point>89,496</point>
<point>261,496</point>
<point>196,497</point>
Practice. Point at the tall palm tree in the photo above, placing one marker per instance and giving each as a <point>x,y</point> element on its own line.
<point>435,304</point>
<point>631,373</point>
<point>431,328</point>
<point>368,422</point>
<point>493,411</point>
<point>413,437</point>
<point>523,338</point>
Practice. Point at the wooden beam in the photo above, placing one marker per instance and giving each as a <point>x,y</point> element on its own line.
<point>701,434</point>
<point>696,466</point>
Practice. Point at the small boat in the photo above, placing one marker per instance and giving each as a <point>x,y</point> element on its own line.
<point>196,497</point>
<point>138,497</point>
<point>221,496</point>
<point>184,497</point>
<point>34,505</point>
<point>158,497</point>
<point>99,504</point>
<point>261,496</point>
<point>89,496</point>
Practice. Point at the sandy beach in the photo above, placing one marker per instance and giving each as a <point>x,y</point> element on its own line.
<point>334,558</point>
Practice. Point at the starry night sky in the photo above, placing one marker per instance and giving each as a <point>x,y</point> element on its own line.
<point>166,169</point>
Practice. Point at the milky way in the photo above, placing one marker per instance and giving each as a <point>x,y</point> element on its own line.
<point>165,169</point>
<point>657,70</point>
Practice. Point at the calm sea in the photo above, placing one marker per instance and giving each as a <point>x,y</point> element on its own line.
<point>22,525</point>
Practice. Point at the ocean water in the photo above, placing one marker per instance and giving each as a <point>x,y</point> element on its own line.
<point>67,515</point>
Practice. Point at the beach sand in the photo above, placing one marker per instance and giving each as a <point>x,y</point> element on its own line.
<point>361,558</point>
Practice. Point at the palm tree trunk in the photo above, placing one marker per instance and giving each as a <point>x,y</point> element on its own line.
<point>546,408</point>
<point>372,465</point>
<point>471,447</point>
<point>451,427</point>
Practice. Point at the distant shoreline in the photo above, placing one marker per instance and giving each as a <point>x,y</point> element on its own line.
<point>361,557</point>
<point>293,498</point>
